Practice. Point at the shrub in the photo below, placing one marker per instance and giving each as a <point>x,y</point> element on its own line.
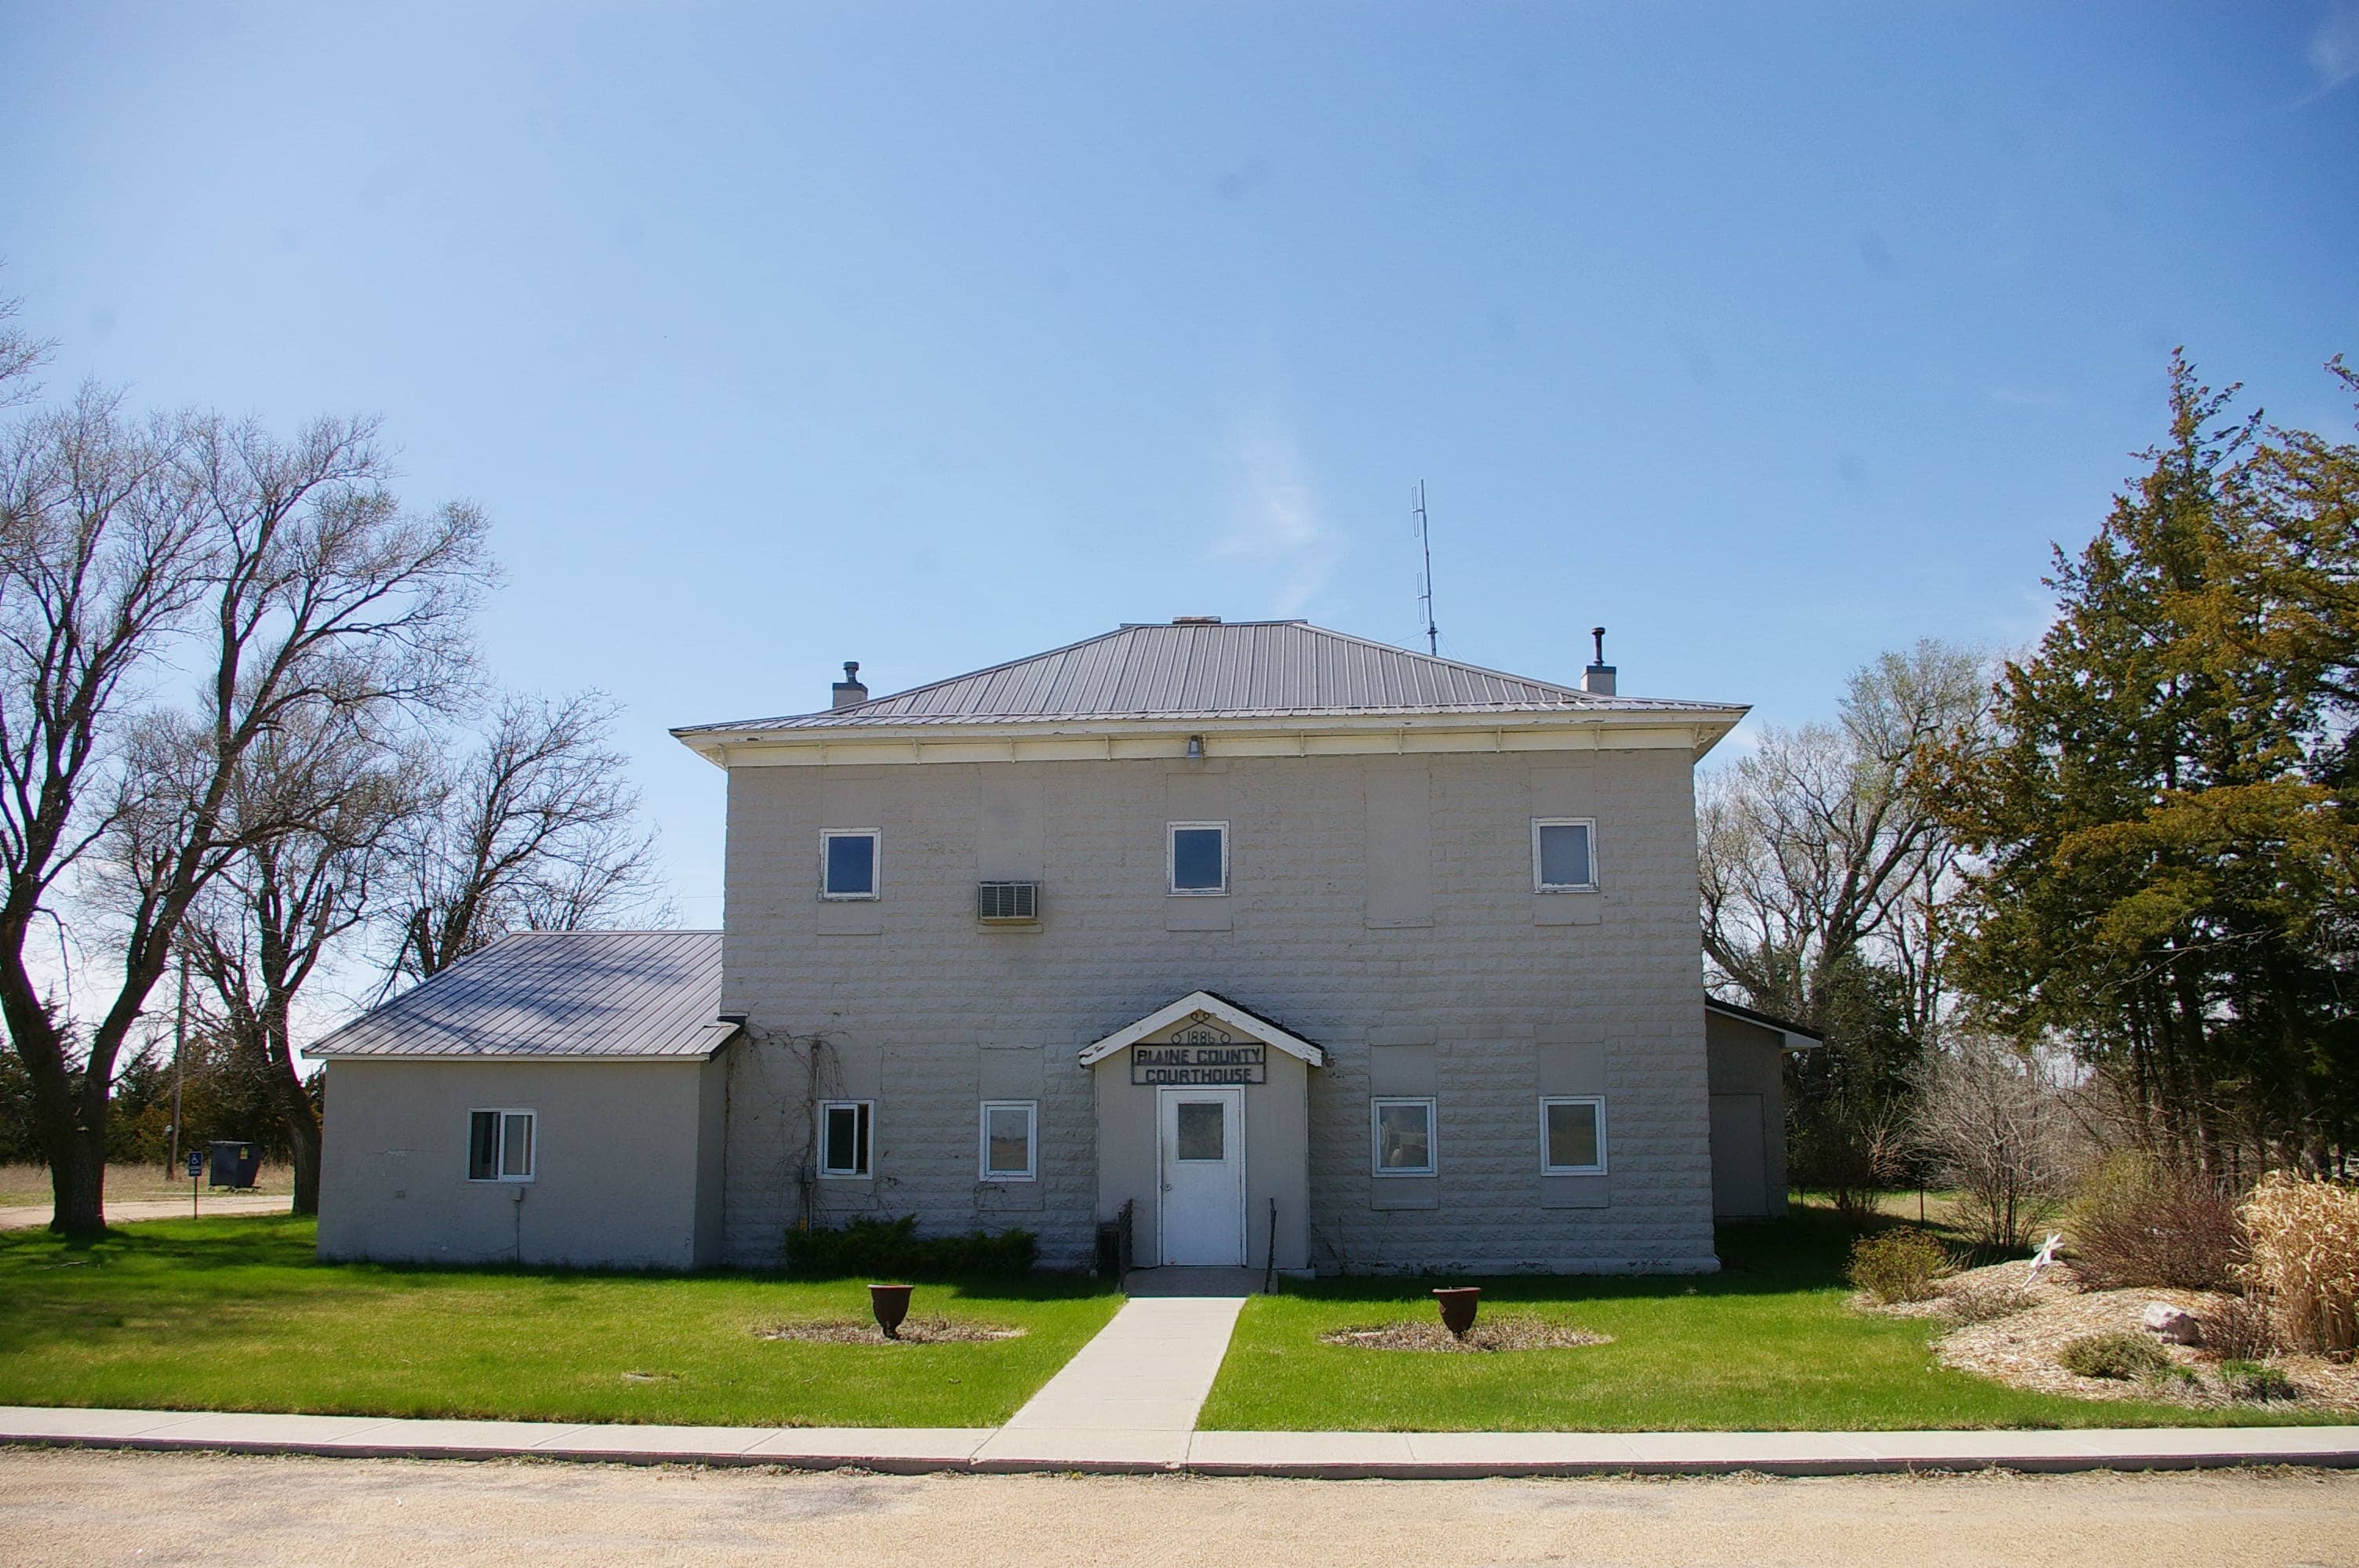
<point>1988,1303</point>
<point>2137,1224</point>
<point>2117,1354</point>
<point>2238,1329</point>
<point>2252,1380</point>
<point>2305,1258</point>
<point>892,1249</point>
<point>1897,1265</point>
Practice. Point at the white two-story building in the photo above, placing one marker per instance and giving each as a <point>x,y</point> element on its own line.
<point>1292,949</point>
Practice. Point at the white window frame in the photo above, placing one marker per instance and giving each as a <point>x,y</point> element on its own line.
<point>1541,886</point>
<point>1549,1170</point>
<point>1031,1171</point>
<point>1376,1105</point>
<point>819,1152</point>
<point>875,838</point>
<point>500,1142</point>
<point>1172,860</point>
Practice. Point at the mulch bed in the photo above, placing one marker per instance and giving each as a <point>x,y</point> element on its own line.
<point>1507,1331</point>
<point>913,1331</point>
<point>2024,1346</point>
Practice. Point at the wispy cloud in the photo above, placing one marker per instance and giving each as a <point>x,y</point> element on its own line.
<point>1277,524</point>
<point>2334,47</point>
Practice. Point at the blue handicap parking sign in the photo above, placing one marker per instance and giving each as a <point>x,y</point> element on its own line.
<point>196,1163</point>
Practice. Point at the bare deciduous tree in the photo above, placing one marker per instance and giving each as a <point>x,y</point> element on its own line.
<point>1995,1122</point>
<point>301,594</point>
<point>283,902</point>
<point>1825,845</point>
<point>537,830</point>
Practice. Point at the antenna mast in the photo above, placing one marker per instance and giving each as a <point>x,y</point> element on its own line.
<point>1425,541</point>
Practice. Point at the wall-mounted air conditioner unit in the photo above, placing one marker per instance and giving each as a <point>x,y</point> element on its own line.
<point>1007,903</point>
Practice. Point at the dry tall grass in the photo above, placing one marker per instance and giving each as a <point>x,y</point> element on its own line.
<point>2305,1240</point>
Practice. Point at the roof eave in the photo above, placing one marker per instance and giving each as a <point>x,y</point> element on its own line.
<point>1711,721</point>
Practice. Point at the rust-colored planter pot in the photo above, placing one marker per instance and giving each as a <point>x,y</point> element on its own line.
<point>891,1304</point>
<point>1457,1303</point>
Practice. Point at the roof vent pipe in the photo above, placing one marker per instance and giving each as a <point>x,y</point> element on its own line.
<point>1597,680</point>
<point>849,692</point>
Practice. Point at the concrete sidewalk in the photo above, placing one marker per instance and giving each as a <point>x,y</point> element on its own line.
<point>1129,1396</point>
<point>1322,1456</point>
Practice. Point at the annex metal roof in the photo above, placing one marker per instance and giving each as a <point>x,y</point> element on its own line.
<point>555,995</point>
<point>1196,669</point>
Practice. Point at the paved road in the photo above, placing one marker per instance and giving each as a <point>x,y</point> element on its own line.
<point>158,1208</point>
<point>59,1506</point>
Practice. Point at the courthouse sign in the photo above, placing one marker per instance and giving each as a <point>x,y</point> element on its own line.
<point>1225,1063</point>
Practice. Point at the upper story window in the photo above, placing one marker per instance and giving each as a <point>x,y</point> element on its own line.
<point>499,1145</point>
<point>1564,854</point>
<point>847,863</point>
<point>1197,859</point>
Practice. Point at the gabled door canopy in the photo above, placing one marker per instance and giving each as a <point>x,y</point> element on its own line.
<point>1209,1005</point>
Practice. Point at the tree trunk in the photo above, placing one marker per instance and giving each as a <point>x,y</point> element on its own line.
<point>78,1179</point>
<point>302,1123</point>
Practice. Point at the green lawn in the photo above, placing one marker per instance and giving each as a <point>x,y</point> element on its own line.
<point>1766,1344</point>
<point>236,1314</point>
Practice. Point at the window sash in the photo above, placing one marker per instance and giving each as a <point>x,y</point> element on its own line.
<point>1563,1140</point>
<point>847,864</point>
<point>1564,854</point>
<point>845,1129</point>
<point>1401,1137</point>
<point>1010,1143</point>
<point>1196,857</point>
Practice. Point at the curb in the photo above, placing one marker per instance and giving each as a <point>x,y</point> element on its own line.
<point>1309,1455</point>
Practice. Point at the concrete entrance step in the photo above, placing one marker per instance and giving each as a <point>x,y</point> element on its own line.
<point>1175,1281</point>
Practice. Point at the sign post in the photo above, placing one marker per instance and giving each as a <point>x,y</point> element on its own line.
<point>196,1169</point>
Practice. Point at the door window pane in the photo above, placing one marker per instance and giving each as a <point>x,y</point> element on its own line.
<point>1564,855</point>
<point>850,865</point>
<point>1404,1136</point>
<point>1203,1130</point>
<point>1196,857</point>
<point>1574,1140</point>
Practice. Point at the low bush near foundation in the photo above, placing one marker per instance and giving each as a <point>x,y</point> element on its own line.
<point>892,1249</point>
<point>2305,1240</point>
<point>2117,1356</point>
<point>1897,1265</point>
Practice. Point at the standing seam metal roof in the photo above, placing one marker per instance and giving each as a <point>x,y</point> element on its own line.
<point>1195,670</point>
<point>608,995</point>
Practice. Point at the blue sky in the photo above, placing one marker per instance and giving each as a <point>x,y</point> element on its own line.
<point>929,336</point>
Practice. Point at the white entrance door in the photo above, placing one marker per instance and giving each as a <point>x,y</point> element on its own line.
<point>1201,1134</point>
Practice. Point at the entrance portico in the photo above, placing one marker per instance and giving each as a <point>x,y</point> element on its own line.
<point>1203,1122</point>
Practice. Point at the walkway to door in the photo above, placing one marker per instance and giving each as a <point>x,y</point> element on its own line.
<point>1131,1395</point>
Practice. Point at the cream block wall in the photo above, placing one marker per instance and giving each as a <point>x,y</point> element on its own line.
<point>1381,906</point>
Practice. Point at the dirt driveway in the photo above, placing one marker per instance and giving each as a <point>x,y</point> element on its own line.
<point>26,1216</point>
<point>107,1508</point>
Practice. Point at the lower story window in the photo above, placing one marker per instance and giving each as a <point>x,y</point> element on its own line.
<point>1008,1142</point>
<point>1572,1135</point>
<point>1402,1131</point>
<point>843,1137</point>
<point>499,1145</point>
